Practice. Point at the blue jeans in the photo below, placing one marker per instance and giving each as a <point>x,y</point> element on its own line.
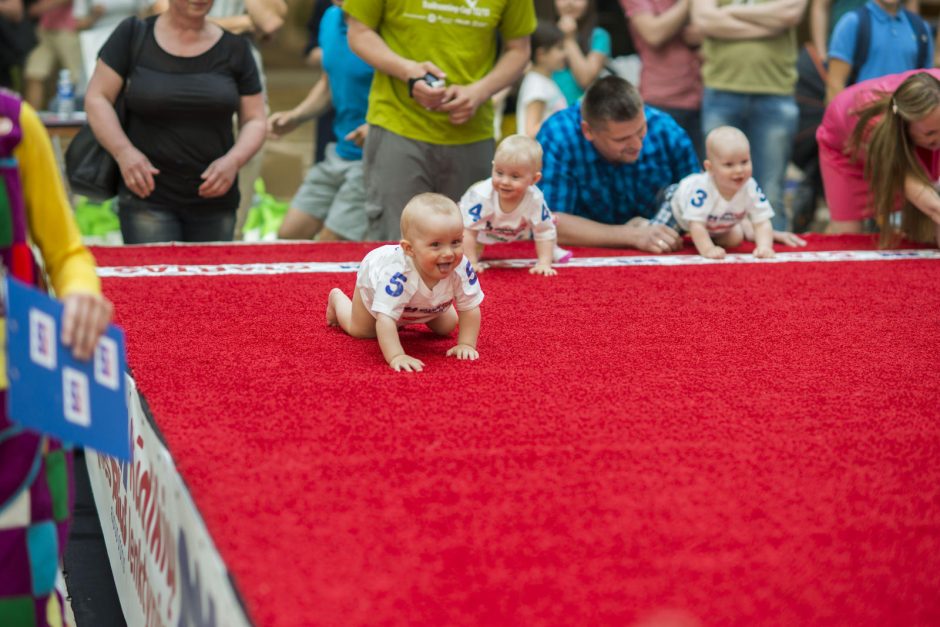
<point>142,223</point>
<point>770,124</point>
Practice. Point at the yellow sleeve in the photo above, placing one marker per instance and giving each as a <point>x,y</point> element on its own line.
<point>52,227</point>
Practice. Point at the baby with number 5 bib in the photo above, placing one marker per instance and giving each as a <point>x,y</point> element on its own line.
<point>424,279</point>
<point>711,205</point>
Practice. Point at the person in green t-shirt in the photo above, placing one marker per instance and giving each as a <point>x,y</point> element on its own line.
<point>749,73</point>
<point>433,134</point>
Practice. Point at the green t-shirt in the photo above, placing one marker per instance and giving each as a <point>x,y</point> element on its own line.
<point>457,36</point>
<point>751,66</point>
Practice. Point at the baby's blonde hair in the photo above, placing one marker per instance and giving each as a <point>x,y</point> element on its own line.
<point>424,205</point>
<point>519,150</point>
<point>723,137</point>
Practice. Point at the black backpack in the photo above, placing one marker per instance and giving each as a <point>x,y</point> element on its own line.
<point>863,40</point>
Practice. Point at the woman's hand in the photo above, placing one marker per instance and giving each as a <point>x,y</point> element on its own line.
<point>568,25</point>
<point>218,177</point>
<point>86,317</point>
<point>137,172</point>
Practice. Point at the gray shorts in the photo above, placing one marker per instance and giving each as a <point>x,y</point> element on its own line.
<point>333,191</point>
<point>398,168</point>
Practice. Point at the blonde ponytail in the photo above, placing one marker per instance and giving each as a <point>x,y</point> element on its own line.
<point>890,155</point>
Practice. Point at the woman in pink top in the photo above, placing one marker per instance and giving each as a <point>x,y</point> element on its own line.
<point>879,142</point>
<point>671,76</point>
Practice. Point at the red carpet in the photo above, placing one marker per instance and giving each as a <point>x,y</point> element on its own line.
<point>748,444</point>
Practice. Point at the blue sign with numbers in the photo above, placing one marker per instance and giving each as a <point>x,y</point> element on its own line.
<point>82,402</point>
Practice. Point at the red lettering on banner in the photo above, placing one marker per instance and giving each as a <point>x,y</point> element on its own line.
<point>149,501</point>
<point>149,602</point>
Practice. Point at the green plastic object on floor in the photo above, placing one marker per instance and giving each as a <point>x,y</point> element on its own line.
<point>97,222</point>
<point>265,216</point>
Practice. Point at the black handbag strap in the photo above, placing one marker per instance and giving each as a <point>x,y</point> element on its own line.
<point>138,36</point>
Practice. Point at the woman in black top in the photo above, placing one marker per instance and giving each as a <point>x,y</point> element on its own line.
<point>178,157</point>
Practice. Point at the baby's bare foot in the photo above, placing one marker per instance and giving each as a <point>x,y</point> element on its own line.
<point>330,309</point>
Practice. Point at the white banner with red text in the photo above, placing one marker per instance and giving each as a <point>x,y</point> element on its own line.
<point>166,568</point>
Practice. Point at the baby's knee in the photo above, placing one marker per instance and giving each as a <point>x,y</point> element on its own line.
<point>732,238</point>
<point>445,323</point>
<point>361,333</point>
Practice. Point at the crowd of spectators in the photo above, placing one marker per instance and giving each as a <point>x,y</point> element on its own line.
<point>422,96</point>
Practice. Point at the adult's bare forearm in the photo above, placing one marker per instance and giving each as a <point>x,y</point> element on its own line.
<point>104,123</point>
<point>250,138</point>
<point>774,23</point>
<point>656,30</point>
<point>836,78</point>
<point>819,25</point>
<point>718,22</point>
<point>371,48</point>
<point>730,27</point>
<point>267,16</point>
<point>578,231</point>
<point>508,68</point>
<point>317,101</point>
<point>237,24</point>
<point>776,14</point>
<point>584,67</point>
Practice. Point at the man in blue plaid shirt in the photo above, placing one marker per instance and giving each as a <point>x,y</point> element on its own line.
<point>604,163</point>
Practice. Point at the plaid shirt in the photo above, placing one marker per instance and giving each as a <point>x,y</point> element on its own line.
<point>576,179</point>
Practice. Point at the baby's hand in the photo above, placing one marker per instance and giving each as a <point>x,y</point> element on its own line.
<point>715,252</point>
<point>545,269</point>
<point>463,351</point>
<point>480,266</point>
<point>406,363</point>
<point>764,252</point>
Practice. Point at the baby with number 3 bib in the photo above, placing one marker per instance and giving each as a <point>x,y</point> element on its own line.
<point>711,205</point>
<point>424,279</point>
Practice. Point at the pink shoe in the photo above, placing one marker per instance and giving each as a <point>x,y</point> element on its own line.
<point>560,255</point>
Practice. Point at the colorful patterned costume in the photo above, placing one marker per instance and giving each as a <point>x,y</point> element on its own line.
<point>36,481</point>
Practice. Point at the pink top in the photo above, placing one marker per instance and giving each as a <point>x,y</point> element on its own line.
<point>58,18</point>
<point>671,75</point>
<point>840,118</point>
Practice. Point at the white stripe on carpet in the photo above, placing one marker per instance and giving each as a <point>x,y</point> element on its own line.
<point>246,269</point>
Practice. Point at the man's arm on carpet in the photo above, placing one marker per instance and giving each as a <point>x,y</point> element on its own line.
<point>640,234</point>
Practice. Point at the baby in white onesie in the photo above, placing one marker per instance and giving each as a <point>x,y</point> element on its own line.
<point>424,279</point>
<point>509,207</point>
<point>711,205</point>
